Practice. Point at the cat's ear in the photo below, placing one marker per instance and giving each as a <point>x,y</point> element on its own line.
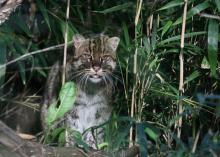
<point>78,40</point>
<point>113,42</point>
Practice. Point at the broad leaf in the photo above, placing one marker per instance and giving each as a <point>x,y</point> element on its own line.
<point>67,98</point>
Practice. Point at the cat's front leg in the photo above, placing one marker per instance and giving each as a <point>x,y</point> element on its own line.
<point>94,137</point>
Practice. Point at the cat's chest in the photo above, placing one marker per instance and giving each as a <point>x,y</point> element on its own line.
<point>89,110</point>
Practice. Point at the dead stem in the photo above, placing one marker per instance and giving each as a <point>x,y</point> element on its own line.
<point>65,45</point>
<point>181,85</point>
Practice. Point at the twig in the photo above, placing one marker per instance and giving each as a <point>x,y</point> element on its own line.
<point>181,85</point>
<point>196,141</point>
<point>34,53</point>
<point>209,16</point>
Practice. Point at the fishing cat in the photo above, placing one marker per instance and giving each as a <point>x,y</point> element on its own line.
<point>91,67</point>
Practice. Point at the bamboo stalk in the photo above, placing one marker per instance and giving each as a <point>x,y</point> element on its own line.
<point>65,45</point>
<point>65,55</point>
<point>133,101</point>
<point>181,58</point>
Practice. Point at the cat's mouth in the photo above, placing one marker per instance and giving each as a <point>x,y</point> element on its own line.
<point>95,78</point>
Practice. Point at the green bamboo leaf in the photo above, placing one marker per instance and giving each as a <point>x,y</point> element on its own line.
<point>151,134</point>
<point>172,4</point>
<point>195,10</point>
<point>115,8</point>
<point>67,98</point>
<point>19,22</point>
<point>69,33</point>
<point>192,76</point>
<point>126,34</point>
<point>218,4</point>
<point>21,66</point>
<point>188,35</point>
<point>166,27</point>
<point>213,31</point>
<point>43,10</point>
<point>79,11</point>
<point>147,44</point>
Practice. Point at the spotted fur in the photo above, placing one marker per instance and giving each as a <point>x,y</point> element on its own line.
<point>90,67</point>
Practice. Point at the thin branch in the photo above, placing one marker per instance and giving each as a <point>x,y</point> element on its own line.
<point>29,54</point>
<point>196,141</point>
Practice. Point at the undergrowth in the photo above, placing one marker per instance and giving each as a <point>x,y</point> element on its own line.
<point>148,102</point>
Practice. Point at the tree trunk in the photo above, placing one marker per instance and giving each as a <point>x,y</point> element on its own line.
<point>6,8</point>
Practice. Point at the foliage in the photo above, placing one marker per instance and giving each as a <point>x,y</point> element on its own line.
<point>148,66</point>
<point>66,101</point>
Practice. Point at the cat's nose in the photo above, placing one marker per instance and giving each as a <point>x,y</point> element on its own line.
<point>96,68</point>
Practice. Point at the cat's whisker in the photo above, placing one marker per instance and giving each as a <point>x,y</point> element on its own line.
<point>104,78</point>
<point>76,74</point>
<point>81,81</point>
<point>109,79</point>
<point>113,76</point>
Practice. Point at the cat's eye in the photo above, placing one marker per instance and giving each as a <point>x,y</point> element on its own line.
<point>87,57</point>
<point>106,58</point>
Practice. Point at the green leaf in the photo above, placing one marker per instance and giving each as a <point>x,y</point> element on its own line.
<point>69,33</point>
<point>213,31</point>
<point>115,8</point>
<point>62,139</point>
<point>21,66</point>
<point>102,145</point>
<point>53,134</point>
<point>126,34</point>
<point>218,4</point>
<point>172,4</point>
<point>19,22</point>
<point>188,35</point>
<point>67,98</point>
<point>195,10</point>
<point>191,77</point>
<point>166,27</point>
<point>43,10</point>
<point>77,136</point>
<point>147,45</point>
<point>151,134</point>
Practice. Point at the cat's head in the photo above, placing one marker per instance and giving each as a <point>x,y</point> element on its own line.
<point>95,58</point>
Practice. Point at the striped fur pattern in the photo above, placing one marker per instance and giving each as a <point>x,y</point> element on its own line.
<point>91,67</point>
